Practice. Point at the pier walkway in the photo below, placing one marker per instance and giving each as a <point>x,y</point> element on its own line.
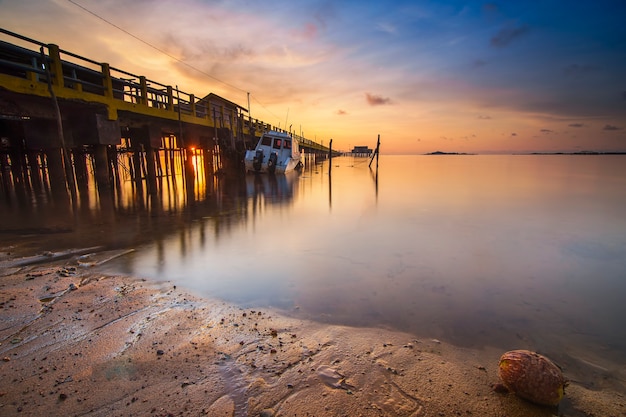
<point>59,105</point>
<point>120,93</point>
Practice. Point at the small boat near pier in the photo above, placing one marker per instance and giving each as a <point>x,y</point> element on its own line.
<point>276,152</point>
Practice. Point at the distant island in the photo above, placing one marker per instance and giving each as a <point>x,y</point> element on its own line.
<point>579,153</point>
<point>448,153</point>
<point>537,153</point>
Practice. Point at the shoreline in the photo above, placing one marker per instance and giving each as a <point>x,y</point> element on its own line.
<point>76,342</point>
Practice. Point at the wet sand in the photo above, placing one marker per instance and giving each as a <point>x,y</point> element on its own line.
<point>76,342</point>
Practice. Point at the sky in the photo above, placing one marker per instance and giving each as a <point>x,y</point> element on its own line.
<point>452,76</point>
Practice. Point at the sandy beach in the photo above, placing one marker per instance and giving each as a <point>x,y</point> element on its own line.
<point>74,342</point>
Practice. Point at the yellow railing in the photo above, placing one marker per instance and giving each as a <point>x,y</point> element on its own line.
<point>72,76</point>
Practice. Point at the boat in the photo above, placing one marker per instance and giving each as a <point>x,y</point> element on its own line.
<point>276,152</point>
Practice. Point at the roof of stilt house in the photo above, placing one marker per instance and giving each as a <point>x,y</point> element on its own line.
<point>213,98</point>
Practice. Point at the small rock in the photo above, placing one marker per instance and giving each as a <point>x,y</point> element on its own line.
<point>532,377</point>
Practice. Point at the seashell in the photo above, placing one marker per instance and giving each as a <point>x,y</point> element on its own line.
<point>532,376</point>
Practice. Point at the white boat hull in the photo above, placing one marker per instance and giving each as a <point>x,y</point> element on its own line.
<point>287,165</point>
<point>276,153</point>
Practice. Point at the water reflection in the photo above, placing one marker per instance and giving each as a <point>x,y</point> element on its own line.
<point>509,251</point>
<point>271,189</point>
<point>130,212</point>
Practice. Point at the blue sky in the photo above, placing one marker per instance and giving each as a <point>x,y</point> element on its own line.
<point>454,76</point>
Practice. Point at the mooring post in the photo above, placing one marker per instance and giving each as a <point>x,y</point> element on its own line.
<point>375,154</point>
<point>330,156</point>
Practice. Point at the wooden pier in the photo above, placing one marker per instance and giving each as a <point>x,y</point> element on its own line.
<point>63,116</point>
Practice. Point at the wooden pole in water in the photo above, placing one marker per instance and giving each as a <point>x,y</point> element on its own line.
<point>375,154</point>
<point>330,150</point>
<point>330,156</point>
<point>67,161</point>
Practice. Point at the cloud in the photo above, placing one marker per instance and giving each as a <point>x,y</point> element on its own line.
<point>484,117</point>
<point>490,8</point>
<point>575,70</point>
<point>546,131</point>
<point>308,32</point>
<point>341,112</point>
<point>478,63</point>
<point>513,134</point>
<point>611,127</point>
<point>507,35</point>
<point>576,125</point>
<point>386,28</point>
<point>374,100</point>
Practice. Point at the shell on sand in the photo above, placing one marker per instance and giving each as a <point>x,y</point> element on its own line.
<point>532,376</point>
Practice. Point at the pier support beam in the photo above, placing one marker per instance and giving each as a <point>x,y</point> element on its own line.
<point>151,170</point>
<point>35,169</point>
<point>56,172</point>
<point>101,159</point>
<point>80,168</point>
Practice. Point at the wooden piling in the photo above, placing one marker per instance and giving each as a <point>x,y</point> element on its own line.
<point>55,63</point>
<point>375,154</point>
<point>80,168</point>
<point>4,172</point>
<point>101,166</point>
<point>151,170</point>
<point>56,171</point>
<point>17,167</point>
<point>35,169</point>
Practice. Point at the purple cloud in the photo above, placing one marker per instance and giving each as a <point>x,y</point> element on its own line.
<point>374,100</point>
<point>507,35</point>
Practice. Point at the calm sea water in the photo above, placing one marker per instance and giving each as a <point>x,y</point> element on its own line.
<point>523,251</point>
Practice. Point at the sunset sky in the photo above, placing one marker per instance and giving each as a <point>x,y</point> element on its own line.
<point>456,76</point>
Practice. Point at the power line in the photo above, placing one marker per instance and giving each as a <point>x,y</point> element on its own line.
<point>261,104</point>
<point>168,54</point>
<point>155,47</point>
